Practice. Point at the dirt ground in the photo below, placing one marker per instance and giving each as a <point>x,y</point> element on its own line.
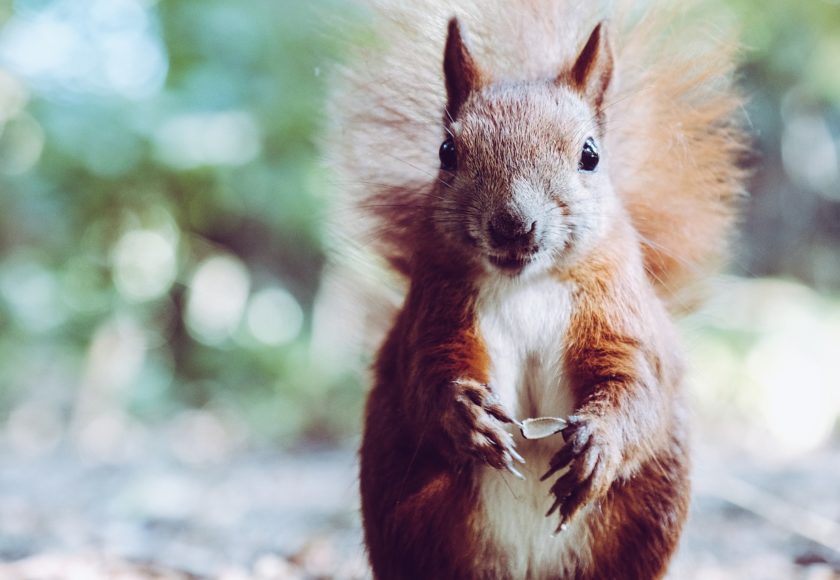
<point>278,516</point>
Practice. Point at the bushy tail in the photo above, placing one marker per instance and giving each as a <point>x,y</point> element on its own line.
<point>672,115</point>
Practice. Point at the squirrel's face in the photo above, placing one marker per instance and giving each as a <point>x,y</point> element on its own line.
<point>523,180</point>
<point>523,177</point>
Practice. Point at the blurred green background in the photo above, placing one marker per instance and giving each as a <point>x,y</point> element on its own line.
<point>162,229</point>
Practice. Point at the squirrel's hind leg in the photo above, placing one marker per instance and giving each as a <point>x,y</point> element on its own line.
<point>641,519</point>
<point>415,507</point>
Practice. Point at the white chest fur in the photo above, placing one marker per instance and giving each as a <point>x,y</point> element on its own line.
<point>524,326</point>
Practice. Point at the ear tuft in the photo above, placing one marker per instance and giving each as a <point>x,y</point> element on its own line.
<point>593,70</point>
<point>460,71</point>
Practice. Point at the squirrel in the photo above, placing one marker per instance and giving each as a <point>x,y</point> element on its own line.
<point>549,184</point>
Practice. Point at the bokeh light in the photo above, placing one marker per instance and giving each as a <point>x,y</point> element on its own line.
<point>101,46</point>
<point>226,138</point>
<point>144,265</point>
<point>274,316</point>
<point>13,96</point>
<point>30,288</point>
<point>761,357</point>
<point>21,144</point>
<point>217,299</point>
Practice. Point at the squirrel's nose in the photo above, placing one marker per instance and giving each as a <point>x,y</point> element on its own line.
<point>509,229</point>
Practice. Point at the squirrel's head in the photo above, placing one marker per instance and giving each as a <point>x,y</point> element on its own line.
<point>523,182</point>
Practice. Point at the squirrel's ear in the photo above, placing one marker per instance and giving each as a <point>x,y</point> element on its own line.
<point>459,70</point>
<point>593,69</point>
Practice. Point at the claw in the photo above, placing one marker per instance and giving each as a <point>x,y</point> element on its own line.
<point>561,527</point>
<point>516,455</point>
<point>499,414</point>
<point>554,468</point>
<point>514,471</point>
<point>560,461</point>
<point>553,507</point>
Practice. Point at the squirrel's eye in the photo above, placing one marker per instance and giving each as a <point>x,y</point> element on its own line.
<point>589,156</point>
<point>448,158</point>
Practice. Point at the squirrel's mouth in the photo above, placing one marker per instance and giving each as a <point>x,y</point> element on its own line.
<point>511,265</point>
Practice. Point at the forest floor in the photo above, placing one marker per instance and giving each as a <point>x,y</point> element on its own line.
<point>277,516</point>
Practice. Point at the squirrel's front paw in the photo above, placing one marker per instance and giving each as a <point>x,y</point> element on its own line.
<point>592,459</point>
<point>474,423</point>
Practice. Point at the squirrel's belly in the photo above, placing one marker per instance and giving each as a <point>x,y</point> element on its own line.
<point>524,329</point>
<point>515,538</point>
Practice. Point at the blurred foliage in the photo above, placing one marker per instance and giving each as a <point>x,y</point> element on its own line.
<point>161,204</point>
<point>793,43</point>
<point>166,134</point>
<point>790,60</point>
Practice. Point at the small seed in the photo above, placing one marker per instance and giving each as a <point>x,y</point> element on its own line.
<point>542,427</point>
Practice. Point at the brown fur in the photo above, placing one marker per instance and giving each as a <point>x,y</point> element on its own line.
<point>626,239</point>
<point>418,460</point>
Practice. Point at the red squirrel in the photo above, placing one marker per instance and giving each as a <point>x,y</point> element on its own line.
<point>546,196</point>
